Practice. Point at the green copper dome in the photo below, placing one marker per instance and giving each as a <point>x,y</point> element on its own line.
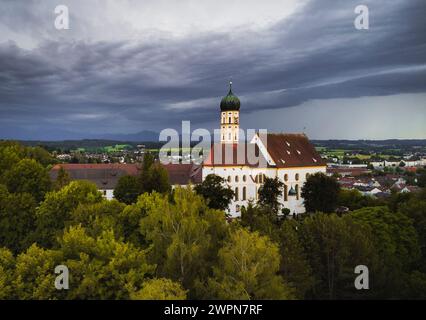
<point>230,102</point>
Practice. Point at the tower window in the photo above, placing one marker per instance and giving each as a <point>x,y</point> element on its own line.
<point>244,193</point>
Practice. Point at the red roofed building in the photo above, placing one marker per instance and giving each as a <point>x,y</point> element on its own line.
<point>106,175</point>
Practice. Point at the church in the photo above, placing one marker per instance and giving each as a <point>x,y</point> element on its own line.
<point>245,164</point>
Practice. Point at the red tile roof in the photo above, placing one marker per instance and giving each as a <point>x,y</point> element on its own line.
<point>292,150</point>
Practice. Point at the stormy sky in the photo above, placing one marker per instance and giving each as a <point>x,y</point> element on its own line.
<point>128,66</point>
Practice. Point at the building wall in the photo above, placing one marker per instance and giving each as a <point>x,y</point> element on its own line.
<point>108,194</point>
<point>291,177</point>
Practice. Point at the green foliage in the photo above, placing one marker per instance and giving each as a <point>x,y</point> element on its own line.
<point>127,189</point>
<point>334,246</point>
<point>98,217</point>
<point>160,289</point>
<point>184,234</point>
<point>17,219</point>
<point>353,199</point>
<point>269,194</point>
<point>247,269</point>
<point>154,177</point>
<point>396,243</point>
<point>102,267</point>
<point>56,209</point>
<point>28,176</point>
<point>213,189</point>
<point>320,193</point>
<point>295,267</point>
<point>63,179</point>
<point>7,264</point>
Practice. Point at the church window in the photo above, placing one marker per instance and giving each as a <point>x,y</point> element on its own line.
<point>236,179</point>
<point>285,193</point>
<point>244,178</point>
<point>229,179</point>
<point>229,120</point>
<point>286,177</point>
<point>244,193</point>
<point>297,192</point>
<point>236,194</point>
<point>297,177</point>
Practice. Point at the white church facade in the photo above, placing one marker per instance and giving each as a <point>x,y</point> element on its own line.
<point>244,165</point>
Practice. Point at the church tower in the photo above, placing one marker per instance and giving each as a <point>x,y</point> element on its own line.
<point>230,117</point>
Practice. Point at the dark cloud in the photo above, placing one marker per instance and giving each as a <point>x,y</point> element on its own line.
<point>66,87</point>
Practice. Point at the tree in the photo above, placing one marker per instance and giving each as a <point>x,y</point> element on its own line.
<point>103,267</point>
<point>247,269</point>
<point>183,234</point>
<point>216,194</point>
<point>62,180</point>
<point>160,289</point>
<point>7,265</point>
<point>28,176</point>
<point>334,246</point>
<point>17,219</point>
<point>55,210</point>
<point>269,194</point>
<point>153,177</point>
<point>396,243</point>
<point>127,189</point>
<point>294,267</point>
<point>320,193</point>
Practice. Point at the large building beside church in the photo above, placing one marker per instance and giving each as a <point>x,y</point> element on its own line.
<point>245,164</point>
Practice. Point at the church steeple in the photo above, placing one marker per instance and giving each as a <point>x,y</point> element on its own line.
<point>230,114</point>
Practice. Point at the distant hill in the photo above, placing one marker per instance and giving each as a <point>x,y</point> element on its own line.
<point>145,135</point>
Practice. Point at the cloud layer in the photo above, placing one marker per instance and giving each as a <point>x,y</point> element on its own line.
<point>109,78</point>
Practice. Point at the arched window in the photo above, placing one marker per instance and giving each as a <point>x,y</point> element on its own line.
<point>229,120</point>
<point>229,179</point>
<point>260,178</point>
<point>286,177</point>
<point>297,192</point>
<point>285,193</point>
<point>244,193</point>
<point>236,194</point>
<point>236,179</point>
<point>297,177</point>
<point>244,178</point>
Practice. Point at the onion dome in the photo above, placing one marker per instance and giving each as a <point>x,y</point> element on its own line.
<point>230,102</point>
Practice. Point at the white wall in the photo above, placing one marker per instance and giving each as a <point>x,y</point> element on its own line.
<point>295,205</point>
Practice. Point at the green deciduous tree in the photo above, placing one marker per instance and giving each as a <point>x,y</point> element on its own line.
<point>17,219</point>
<point>320,193</point>
<point>269,195</point>
<point>184,234</point>
<point>295,267</point>
<point>216,193</point>
<point>396,243</point>
<point>28,176</point>
<point>160,289</point>
<point>56,209</point>
<point>248,269</point>
<point>128,189</point>
<point>334,246</point>
<point>63,179</point>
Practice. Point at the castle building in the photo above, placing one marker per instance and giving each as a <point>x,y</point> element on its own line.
<point>245,164</point>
